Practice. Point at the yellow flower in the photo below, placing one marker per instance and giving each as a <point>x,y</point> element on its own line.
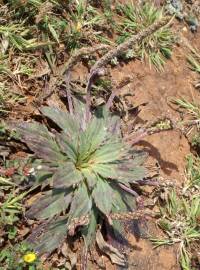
<point>30,257</point>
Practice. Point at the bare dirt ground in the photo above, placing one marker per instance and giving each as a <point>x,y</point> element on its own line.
<point>169,148</point>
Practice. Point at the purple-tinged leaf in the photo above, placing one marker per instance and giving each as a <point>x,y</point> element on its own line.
<point>63,119</point>
<point>66,176</point>
<point>106,170</point>
<point>139,157</point>
<point>40,141</point>
<point>68,146</point>
<point>45,239</point>
<point>50,204</point>
<point>133,175</point>
<point>80,113</point>
<point>120,172</point>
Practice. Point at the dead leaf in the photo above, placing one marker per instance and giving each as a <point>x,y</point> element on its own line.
<point>113,253</point>
<point>73,259</point>
<point>70,256</point>
<point>64,250</point>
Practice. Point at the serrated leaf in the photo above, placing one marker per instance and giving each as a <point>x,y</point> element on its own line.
<point>68,146</point>
<point>66,176</point>
<point>122,201</point>
<point>139,158</point>
<point>40,141</point>
<point>109,152</point>
<point>95,133</point>
<point>103,196</point>
<point>50,204</point>
<point>119,172</point>
<point>81,203</point>
<point>131,176</point>
<point>89,231</point>
<point>63,119</point>
<point>90,177</point>
<point>53,235</point>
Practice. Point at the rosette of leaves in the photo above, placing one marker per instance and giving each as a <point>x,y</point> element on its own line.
<point>86,167</point>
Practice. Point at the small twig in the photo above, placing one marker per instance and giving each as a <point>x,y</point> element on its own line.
<point>192,122</point>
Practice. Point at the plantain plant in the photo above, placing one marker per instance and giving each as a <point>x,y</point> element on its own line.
<point>86,169</point>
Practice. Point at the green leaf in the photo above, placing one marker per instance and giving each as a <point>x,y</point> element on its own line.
<point>80,112</point>
<point>89,231</point>
<point>103,196</point>
<point>66,176</point>
<point>109,152</point>
<point>63,119</point>
<point>131,176</point>
<point>40,141</point>
<point>81,203</point>
<point>90,177</point>
<point>139,158</point>
<point>43,177</point>
<point>50,204</point>
<point>122,200</point>
<point>68,146</point>
<point>53,32</point>
<point>105,170</point>
<point>119,172</point>
<point>112,122</point>
<point>53,235</point>
<point>95,133</point>
<point>91,138</point>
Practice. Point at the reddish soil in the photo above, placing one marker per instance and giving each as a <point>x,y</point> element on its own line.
<point>168,148</point>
